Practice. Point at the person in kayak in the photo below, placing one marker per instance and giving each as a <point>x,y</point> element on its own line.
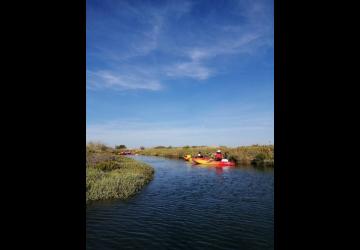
<point>218,155</point>
<point>199,155</point>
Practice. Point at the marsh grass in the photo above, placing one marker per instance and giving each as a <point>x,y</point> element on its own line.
<point>246,155</point>
<point>109,176</point>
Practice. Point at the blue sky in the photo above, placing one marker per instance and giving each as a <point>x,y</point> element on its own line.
<point>180,72</point>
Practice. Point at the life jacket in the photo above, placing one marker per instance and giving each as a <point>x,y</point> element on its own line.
<point>218,156</point>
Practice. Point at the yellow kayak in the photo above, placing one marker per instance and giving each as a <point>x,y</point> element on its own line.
<point>213,162</point>
<point>187,157</point>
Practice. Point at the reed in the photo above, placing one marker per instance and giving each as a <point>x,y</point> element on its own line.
<point>244,155</point>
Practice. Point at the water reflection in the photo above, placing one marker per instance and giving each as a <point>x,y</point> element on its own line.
<point>219,171</point>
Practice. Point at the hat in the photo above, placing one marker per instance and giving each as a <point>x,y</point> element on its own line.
<point>219,151</point>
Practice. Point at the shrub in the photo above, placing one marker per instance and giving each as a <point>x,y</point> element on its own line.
<point>109,176</point>
<point>260,157</point>
<point>108,165</point>
<point>96,147</point>
<point>233,158</point>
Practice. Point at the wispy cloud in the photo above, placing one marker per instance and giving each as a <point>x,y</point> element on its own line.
<point>150,39</point>
<point>152,54</point>
<point>158,42</point>
<point>126,30</point>
<point>227,40</point>
<point>191,69</point>
<point>107,79</point>
<point>196,66</point>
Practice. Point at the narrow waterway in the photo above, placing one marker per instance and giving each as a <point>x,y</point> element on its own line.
<point>188,207</point>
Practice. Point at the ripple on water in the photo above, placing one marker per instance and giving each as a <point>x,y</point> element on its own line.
<point>187,207</point>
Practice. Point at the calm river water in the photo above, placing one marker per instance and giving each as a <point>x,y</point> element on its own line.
<point>188,207</point>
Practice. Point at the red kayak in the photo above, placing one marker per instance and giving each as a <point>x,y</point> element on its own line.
<point>125,153</point>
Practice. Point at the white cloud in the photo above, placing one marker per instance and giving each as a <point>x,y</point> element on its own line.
<point>150,41</point>
<point>197,54</point>
<point>108,79</point>
<point>196,67</point>
<point>190,69</point>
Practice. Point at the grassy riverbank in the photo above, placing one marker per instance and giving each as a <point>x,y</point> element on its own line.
<point>111,176</point>
<point>261,155</point>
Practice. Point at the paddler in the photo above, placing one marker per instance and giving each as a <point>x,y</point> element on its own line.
<point>218,155</point>
<point>199,155</point>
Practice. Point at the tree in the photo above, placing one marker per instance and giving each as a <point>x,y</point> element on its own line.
<point>120,147</point>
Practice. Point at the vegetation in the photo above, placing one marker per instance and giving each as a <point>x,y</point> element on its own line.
<point>262,160</point>
<point>112,176</point>
<point>120,147</point>
<point>255,154</point>
<point>97,147</point>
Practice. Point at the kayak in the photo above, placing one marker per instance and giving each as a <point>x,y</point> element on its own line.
<point>187,157</point>
<point>125,153</point>
<point>212,162</point>
<point>190,158</point>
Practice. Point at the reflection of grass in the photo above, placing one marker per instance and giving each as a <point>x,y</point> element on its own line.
<point>256,154</point>
<point>110,176</point>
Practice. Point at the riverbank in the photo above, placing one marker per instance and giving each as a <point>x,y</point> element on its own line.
<point>111,176</point>
<point>259,155</point>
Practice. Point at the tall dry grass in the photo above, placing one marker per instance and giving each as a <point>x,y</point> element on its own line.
<point>242,155</point>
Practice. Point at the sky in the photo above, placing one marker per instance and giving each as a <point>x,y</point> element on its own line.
<point>180,72</point>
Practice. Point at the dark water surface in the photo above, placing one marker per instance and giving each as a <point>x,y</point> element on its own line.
<point>188,207</point>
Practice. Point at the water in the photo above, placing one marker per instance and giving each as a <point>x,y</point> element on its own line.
<point>188,207</point>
